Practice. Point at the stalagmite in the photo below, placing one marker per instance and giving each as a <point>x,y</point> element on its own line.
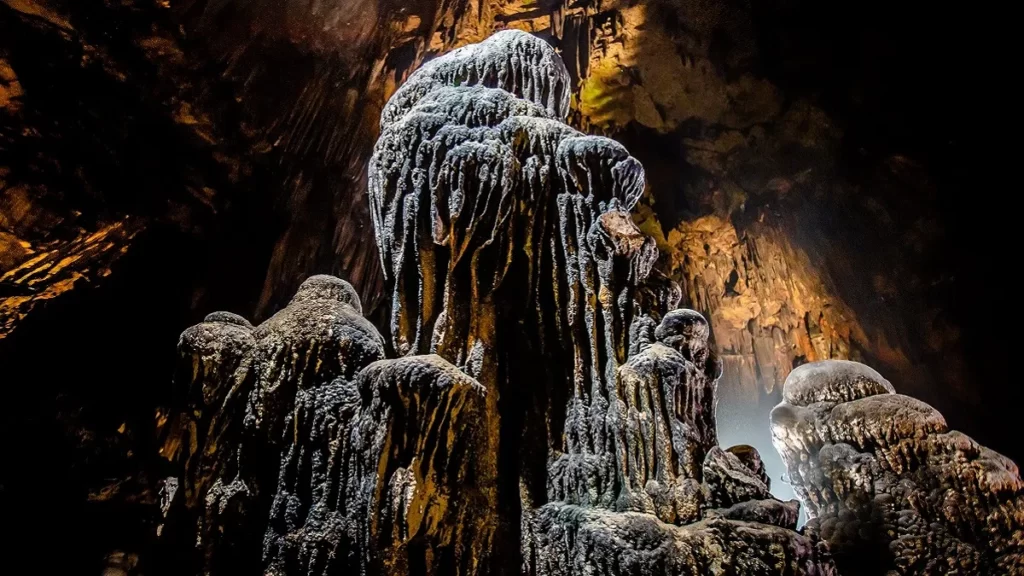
<point>888,485</point>
<point>548,412</point>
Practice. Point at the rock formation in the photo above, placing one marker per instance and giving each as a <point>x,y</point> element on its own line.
<point>888,485</point>
<point>547,412</point>
<point>797,174</point>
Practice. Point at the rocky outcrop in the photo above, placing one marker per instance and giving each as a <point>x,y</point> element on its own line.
<point>575,540</point>
<point>209,353</point>
<point>506,237</point>
<point>390,474</point>
<point>888,485</point>
<point>767,304</point>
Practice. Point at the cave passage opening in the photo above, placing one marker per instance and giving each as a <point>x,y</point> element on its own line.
<point>743,420</point>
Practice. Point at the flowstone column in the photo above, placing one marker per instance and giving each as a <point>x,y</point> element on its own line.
<point>508,240</point>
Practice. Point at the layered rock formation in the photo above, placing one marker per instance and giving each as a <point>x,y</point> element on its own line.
<point>888,485</point>
<point>547,414</point>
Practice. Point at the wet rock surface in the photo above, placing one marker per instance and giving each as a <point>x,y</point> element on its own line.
<point>888,485</point>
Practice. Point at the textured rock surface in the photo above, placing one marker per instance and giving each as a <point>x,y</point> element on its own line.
<point>392,473</point>
<point>221,148</point>
<point>888,485</point>
<point>488,206</point>
<point>578,540</point>
<point>306,453</point>
<point>209,355</point>
<point>488,209</point>
<point>547,414</point>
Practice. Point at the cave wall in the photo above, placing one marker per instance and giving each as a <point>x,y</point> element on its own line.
<point>802,168</point>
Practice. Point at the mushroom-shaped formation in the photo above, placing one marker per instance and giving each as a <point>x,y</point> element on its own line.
<point>688,332</point>
<point>887,484</point>
<point>474,158</point>
<point>507,239</point>
<point>323,287</point>
<point>512,61</point>
<point>833,381</point>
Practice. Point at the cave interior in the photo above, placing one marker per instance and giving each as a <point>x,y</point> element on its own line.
<point>807,177</point>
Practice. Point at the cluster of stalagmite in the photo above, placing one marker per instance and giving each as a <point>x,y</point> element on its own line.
<point>548,412</point>
<point>888,485</point>
<point>306,452</point>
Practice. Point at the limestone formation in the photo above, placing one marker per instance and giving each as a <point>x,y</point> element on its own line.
<point>321,456</point>
<point>575,540</point>
<point>888,485</point>
<point>547,413</point>
<point>565,422</point>
<point>390,473</point>
<point>209,355</point>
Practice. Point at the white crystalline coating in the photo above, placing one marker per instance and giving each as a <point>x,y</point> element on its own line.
<point>474,174</point>
<point>412,151</point>
<point>518,283</point>
<point>510,89</point>
<point>476,106</point>
<point>511,60</point>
